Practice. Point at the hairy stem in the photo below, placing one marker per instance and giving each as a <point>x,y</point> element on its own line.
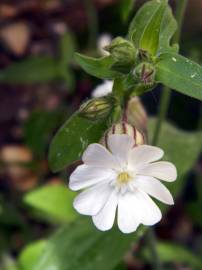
<point>166,92</point>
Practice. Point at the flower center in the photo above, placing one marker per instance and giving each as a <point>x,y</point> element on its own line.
<point>123,178</point>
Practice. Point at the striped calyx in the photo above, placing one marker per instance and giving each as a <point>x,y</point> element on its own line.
<point>124,128</point>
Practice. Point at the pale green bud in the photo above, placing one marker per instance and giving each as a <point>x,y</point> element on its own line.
<point>97,108</point>
<point>123,53</point>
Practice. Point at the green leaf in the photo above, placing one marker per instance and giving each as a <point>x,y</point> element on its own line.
<point>150,38</point>
<point>30,254</point>
<point>72,139</point>
<point>170,252</point>
<point>98,67</point>
<point>54,201</point>
<point>180,73</point>
<point>152,27</point>
<point>32,70</point>
<point>38,129</point>
<point>181,148</point>
<point>81,245</point>
<point>168,29</point>
<point>126,8</point>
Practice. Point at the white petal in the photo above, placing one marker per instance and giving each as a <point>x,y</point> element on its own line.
<point>154,188</point>
<point>120,146</point>
<point>145,154</point>
<point>90,201</point>
<point>85,176</point>
<point>98,155</point>
<point>163,170</point>
<point>151,214</point>
<point>104,220</point>
<point>129,215</point>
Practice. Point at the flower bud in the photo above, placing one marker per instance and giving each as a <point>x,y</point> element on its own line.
<point>145,73</point>
<point>124,128</point>
<point>97,108</point>
<point>136,114</point>
<point>123,53</point>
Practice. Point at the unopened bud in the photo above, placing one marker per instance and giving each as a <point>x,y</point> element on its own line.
<point>145,73</point>
<point>124,128</point>
<point>136,114</point>
<point>123,53</point>
<point>97,108</point>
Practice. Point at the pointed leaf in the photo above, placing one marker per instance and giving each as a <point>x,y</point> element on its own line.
<point>72,139</point>
<point>53,201</point>
<point>98,67</point>
<point>180,73</point>
<point>126,7</point>
<point>32,70</point>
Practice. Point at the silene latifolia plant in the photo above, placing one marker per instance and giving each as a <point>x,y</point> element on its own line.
<point>120,168</point>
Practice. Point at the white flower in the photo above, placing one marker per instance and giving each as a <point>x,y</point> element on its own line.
<point>104,40</point>
<point>122,177</point>
<point>103,89</point>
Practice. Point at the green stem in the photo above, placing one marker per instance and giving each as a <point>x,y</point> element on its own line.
<point>166,92</point>
<point>151,240</point>
<point>92,23</point>
<point>163,109</point>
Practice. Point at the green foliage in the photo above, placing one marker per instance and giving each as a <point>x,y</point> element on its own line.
<point>152,27</point>
<point>150,37</point>
<point>42,69</point>
<point>81,244</point>
<point>30,254</point>
<point>169,252</point>
<point>72,139</point>
<point>31,70</point>
<point>176,145</point>
<point>53,201</point>
<point>98,67</point>
<point>126,8</point>
<point>180,73</point>
<point>38,129</point>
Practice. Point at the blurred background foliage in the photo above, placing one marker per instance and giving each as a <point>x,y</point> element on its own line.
<point>41,85</point>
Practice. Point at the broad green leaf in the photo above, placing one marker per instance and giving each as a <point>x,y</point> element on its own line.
<point>153,26</point>
<point>98,67</point>
<point>53,201</point>
<point>38,129</point>
<point>72,139</point>
<point>181,148</point>
<point>168,29</point>
<point>81,245</point>
<point>180,73</point>
<point>126,7</point>
<point>30,254</point>
<point>173,253</point>
<point>150,38</point>
<point>32,70</point>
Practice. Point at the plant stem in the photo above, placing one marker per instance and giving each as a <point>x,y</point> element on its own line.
<point>92,23</point>
<point>151,240</point>
<point>166,92</point>
<point>163,109</point>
